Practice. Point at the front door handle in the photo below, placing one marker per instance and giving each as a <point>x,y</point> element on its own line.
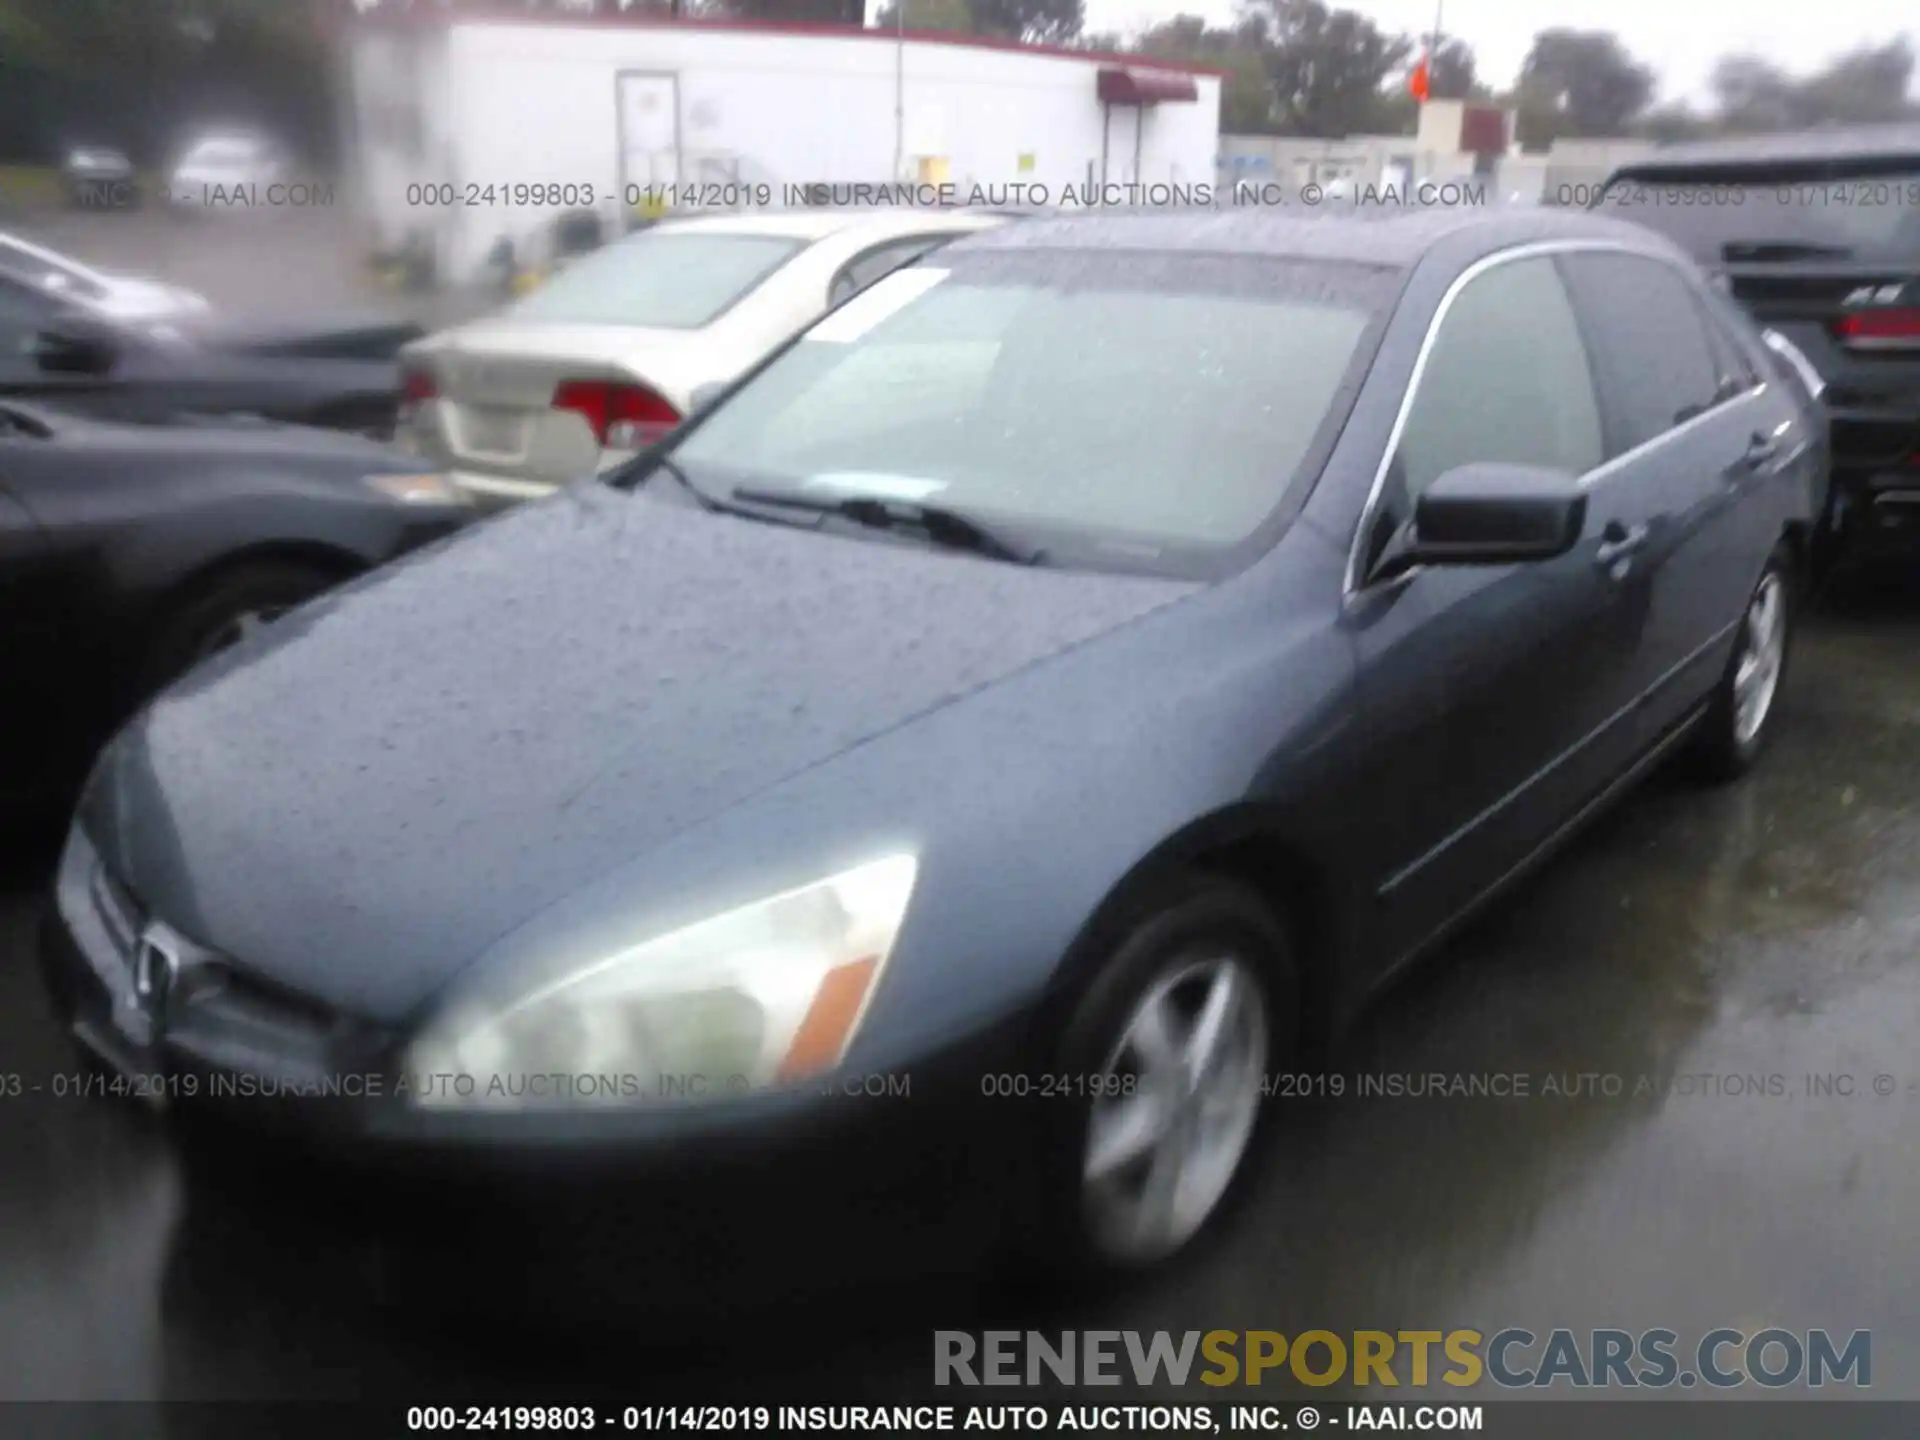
<point>1760,449</point>
<point>1619,543</point>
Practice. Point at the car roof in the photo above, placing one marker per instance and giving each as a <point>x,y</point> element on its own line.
<point>1837,142</point>
<point>819,224</point>
<point>1391,236</point>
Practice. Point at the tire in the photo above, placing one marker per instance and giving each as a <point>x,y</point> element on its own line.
<point>1097,1215</point>
<point>1740,716</point>
<point>225,609</point>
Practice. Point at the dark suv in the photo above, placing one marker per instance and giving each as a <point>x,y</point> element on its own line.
<point>1817,235</point>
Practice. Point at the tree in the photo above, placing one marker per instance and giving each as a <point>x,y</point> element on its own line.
<point>1579,82</point>
<point>1246,94</point>
<point>1327,69</point>
<point>1751,93</point>
<point>1862,87</point>
<point>955,17</point>
<point>1452,71</point>
<point>1037,22</point>
<point>1673,121</point>
<point>815,12</point>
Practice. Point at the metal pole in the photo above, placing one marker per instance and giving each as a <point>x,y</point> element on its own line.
<point>1433,55</point>
<point>899,90</point>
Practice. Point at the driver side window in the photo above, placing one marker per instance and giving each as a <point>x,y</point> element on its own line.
<point>1507,380</point>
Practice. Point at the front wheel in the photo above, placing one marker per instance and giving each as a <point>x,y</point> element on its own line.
<point>1174,1037</point>
<point>1740,717</point>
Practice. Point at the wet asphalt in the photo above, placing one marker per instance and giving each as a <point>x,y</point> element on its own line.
<point>1711,949</point>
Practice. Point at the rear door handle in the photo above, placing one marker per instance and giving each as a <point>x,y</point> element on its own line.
<point>1619,542</point>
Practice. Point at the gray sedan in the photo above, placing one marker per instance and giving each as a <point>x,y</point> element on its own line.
<point>974,758</point>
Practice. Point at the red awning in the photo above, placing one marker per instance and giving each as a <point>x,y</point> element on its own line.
<point>1124,85</point>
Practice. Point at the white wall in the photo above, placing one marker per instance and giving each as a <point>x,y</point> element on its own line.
<point>400,128</point>
<point>535,104</point>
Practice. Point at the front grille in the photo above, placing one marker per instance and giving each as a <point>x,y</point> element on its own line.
<point>232,997</point>
<point>119,912</point>
<point>213,997</point>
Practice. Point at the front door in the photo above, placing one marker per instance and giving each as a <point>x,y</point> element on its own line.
<point>1500,696</point>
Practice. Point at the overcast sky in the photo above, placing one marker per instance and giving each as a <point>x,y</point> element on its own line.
<point>1681,40</point>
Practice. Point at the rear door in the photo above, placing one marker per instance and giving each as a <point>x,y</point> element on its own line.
<point>1502,695</point>
<point>1690,435</point>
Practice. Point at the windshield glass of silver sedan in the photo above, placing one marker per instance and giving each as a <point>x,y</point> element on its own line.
<point>1143,403</point>
<point>665,280</point>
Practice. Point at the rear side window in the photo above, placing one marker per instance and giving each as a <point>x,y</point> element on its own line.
<point>1507,380</point>
<point>659,279</point>
<point>1650,341</point>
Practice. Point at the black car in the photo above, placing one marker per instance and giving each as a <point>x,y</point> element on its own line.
<point>1817,235</point>
<point>338,376</point>
<point>972,758</point>
<point>129,552</point>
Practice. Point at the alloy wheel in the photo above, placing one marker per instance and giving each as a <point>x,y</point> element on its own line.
<point>1174,1108</point>
<point>1763,649</point>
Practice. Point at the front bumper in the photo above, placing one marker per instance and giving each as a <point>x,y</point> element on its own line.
<point>681,1204</point>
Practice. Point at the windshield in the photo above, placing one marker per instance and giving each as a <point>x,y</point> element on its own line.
<point>659,279</point>
<point>1153,406</point>
<point>1777,213</point>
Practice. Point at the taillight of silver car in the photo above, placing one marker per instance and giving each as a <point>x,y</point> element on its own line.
<point>622,416</point>
<point>417,386</point>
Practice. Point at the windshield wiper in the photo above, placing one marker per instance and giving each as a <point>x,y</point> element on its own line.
<point>949,528</point>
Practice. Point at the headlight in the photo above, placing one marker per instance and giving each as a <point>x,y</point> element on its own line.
<point>759,996</point>
<point>419,489</point>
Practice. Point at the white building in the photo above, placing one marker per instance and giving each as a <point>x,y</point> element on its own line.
<point>1454,140</point>
<point>466,129</point>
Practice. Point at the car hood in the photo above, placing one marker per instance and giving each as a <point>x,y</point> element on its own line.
<point>358,805</point>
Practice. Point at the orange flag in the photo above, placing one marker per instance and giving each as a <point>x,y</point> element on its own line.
<point>1417,82</point>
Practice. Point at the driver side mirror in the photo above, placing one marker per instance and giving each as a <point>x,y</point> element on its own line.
<point>75,345</point>
<point>1488,513</point>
